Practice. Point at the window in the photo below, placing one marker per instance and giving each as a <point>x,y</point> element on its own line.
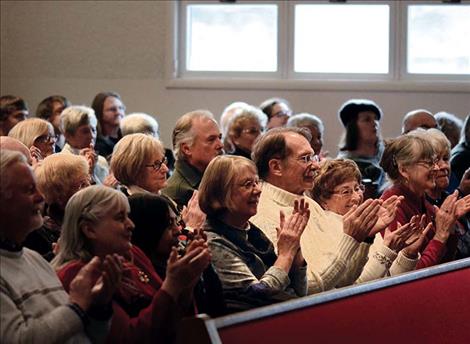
<point>393,42</point>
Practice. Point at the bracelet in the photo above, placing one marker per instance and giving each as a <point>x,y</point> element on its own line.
<point>79,311</point>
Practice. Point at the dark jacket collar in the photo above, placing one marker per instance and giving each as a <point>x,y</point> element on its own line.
<point>191,174</point>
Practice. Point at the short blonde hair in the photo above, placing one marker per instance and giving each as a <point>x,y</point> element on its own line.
<point>182,132</point>
<point>217,184</point>
<point>30,129</point>
<point>139,122</point>
<point>75,116</point>
<point>56,173</point>
<point>131,154</point>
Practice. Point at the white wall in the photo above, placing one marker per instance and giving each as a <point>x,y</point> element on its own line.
<point>79,48</point>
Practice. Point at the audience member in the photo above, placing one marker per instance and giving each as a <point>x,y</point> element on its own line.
<point>78,124</point>
<point>33,303</point>
<point>156,231</point>
<point>146,309</point>
<point>50,109</point>
<point>231,110</point>
<point>278,111</point>
<point>242,130</point>
<point>9,143</point>
<point>315,125</point>
<point>58,176</point>
<point>362,142</point>
<point>411,164</point>
<point>109,110</point>
<point>37,134</point>
<point>418,119</point>
<point>287,164</point>
<point>450,125</point>
<point>337,188</point>
<point>244,258</point>
<point>196,141</point>
<point>139,164</point>
<point>13,110</point>
<point>460,157</point>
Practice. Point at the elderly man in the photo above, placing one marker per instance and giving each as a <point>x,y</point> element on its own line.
<point>418,119</point>
<point>196,141</point>
<point>286,164</point>
<point>33,304</point>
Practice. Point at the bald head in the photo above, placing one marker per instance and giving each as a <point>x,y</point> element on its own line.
<point>418,119</point>
<point>10,143</point>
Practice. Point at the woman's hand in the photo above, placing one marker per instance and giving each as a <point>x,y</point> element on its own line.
<point>415,242</point>
<point>446,217</point>
<point>290,230</point>
<point>386,214</point>
<point>36,155</point>
<point>109,280</point>
<point>111,181</point>
<point>462,206</point>
<point>90,156</point>
<point>398,239</point>
<point>360,220</point>
<point>465,183</point>
<point>192,214</point>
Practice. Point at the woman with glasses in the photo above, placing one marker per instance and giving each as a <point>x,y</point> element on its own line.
<point>243,129</point>
<point>78,123</point>
<point>37,134</point>
<point>251,272</point>
<point>139,165</point>
<point>315,125</point>
<point>412,165</point>
<point>338,189</point>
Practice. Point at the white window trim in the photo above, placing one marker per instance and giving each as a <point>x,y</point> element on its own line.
<point>285,79</point>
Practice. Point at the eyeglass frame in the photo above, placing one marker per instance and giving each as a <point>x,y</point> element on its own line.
<point>157,165</point>
<point>46,139</point>
<point>309,158</point>
<point>250,184</point>
<point>361,188</point>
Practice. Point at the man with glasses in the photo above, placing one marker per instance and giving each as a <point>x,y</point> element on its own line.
<point>196,141</point>
<point>287,164</point>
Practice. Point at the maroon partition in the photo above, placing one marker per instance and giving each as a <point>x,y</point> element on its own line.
<point>427,306</point>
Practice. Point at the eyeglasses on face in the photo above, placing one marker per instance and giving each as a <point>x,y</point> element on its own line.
<point>46,139</point>
<point>348,192</point>
<point>428,163</point>
<point>158,164</point>
<point>250,184</point>
<point>309,158</point>
<point>252,131</point>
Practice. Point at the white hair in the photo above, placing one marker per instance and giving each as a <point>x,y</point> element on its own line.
<point>139,122</point>
<point>75,116</point>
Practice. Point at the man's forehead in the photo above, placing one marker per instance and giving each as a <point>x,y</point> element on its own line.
<point>297,143</point>
<point>205,126</point>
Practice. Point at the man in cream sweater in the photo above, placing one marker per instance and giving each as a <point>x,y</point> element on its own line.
<point>335,251</point>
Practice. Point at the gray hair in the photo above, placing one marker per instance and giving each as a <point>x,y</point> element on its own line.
<point>7,159</point>
<point>183,133</point>
<point>229,112</point>
<point>438,140</point>
<point>139,122</point>
<point>234,126</point>
<point>305,119</point>
<point>450,125</point>
<point>89,205</point>
<point>75,116</point>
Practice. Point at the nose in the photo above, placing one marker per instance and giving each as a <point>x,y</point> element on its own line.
<point>38,197</point>
<point>129,224</point>
<point>164,168</point>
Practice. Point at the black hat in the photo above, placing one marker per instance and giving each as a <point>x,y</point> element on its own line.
<point>350,109</point>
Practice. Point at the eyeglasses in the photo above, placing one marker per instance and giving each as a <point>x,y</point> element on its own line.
<point>428,163</point>
<point>309,158</point>
<point>252,131</point>
<point>250,184</point>
<point>348,192</point>
<point>282,114</point>
<point>158,164</point>
<point>46,139</point>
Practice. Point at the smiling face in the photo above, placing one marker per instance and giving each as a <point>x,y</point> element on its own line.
<point>153,179</point>
<point>297,174</point>
<point>246,191</point>
<point>443,172</point>
<point>420,176</point>
<point>344,197</point>
<point>112,233</point>
<point>21,204</point>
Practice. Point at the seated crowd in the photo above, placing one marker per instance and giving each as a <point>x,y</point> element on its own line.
<point>109,236</point>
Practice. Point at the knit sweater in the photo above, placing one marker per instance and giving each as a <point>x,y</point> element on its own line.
<point>33,303</point>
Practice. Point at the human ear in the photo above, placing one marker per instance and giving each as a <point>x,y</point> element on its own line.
<point>403,171</point>
<point>186,149</point>
<point>88,230</point>
<point>275,167</point>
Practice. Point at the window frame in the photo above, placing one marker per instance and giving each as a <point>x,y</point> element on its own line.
<point>398,79</point>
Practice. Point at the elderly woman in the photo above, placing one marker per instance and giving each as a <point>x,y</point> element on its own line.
<point>362,143</point>
<point>315,125</point>
<point>156,231</point>
<point>460,158</point>
<point>58,176</point>
<point>139,164</point>
<point>139,122</point>
<point>250,271</point>
<point>37,134</point>
<point>79,127</point>
<point>278,111</point>
<point>109,110</point>
<point>145,309</point>
<point>410,163</point>
<point>450,125</point>
<point>242,131</point>
<point>438,193</point>
<point>338,189</point>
